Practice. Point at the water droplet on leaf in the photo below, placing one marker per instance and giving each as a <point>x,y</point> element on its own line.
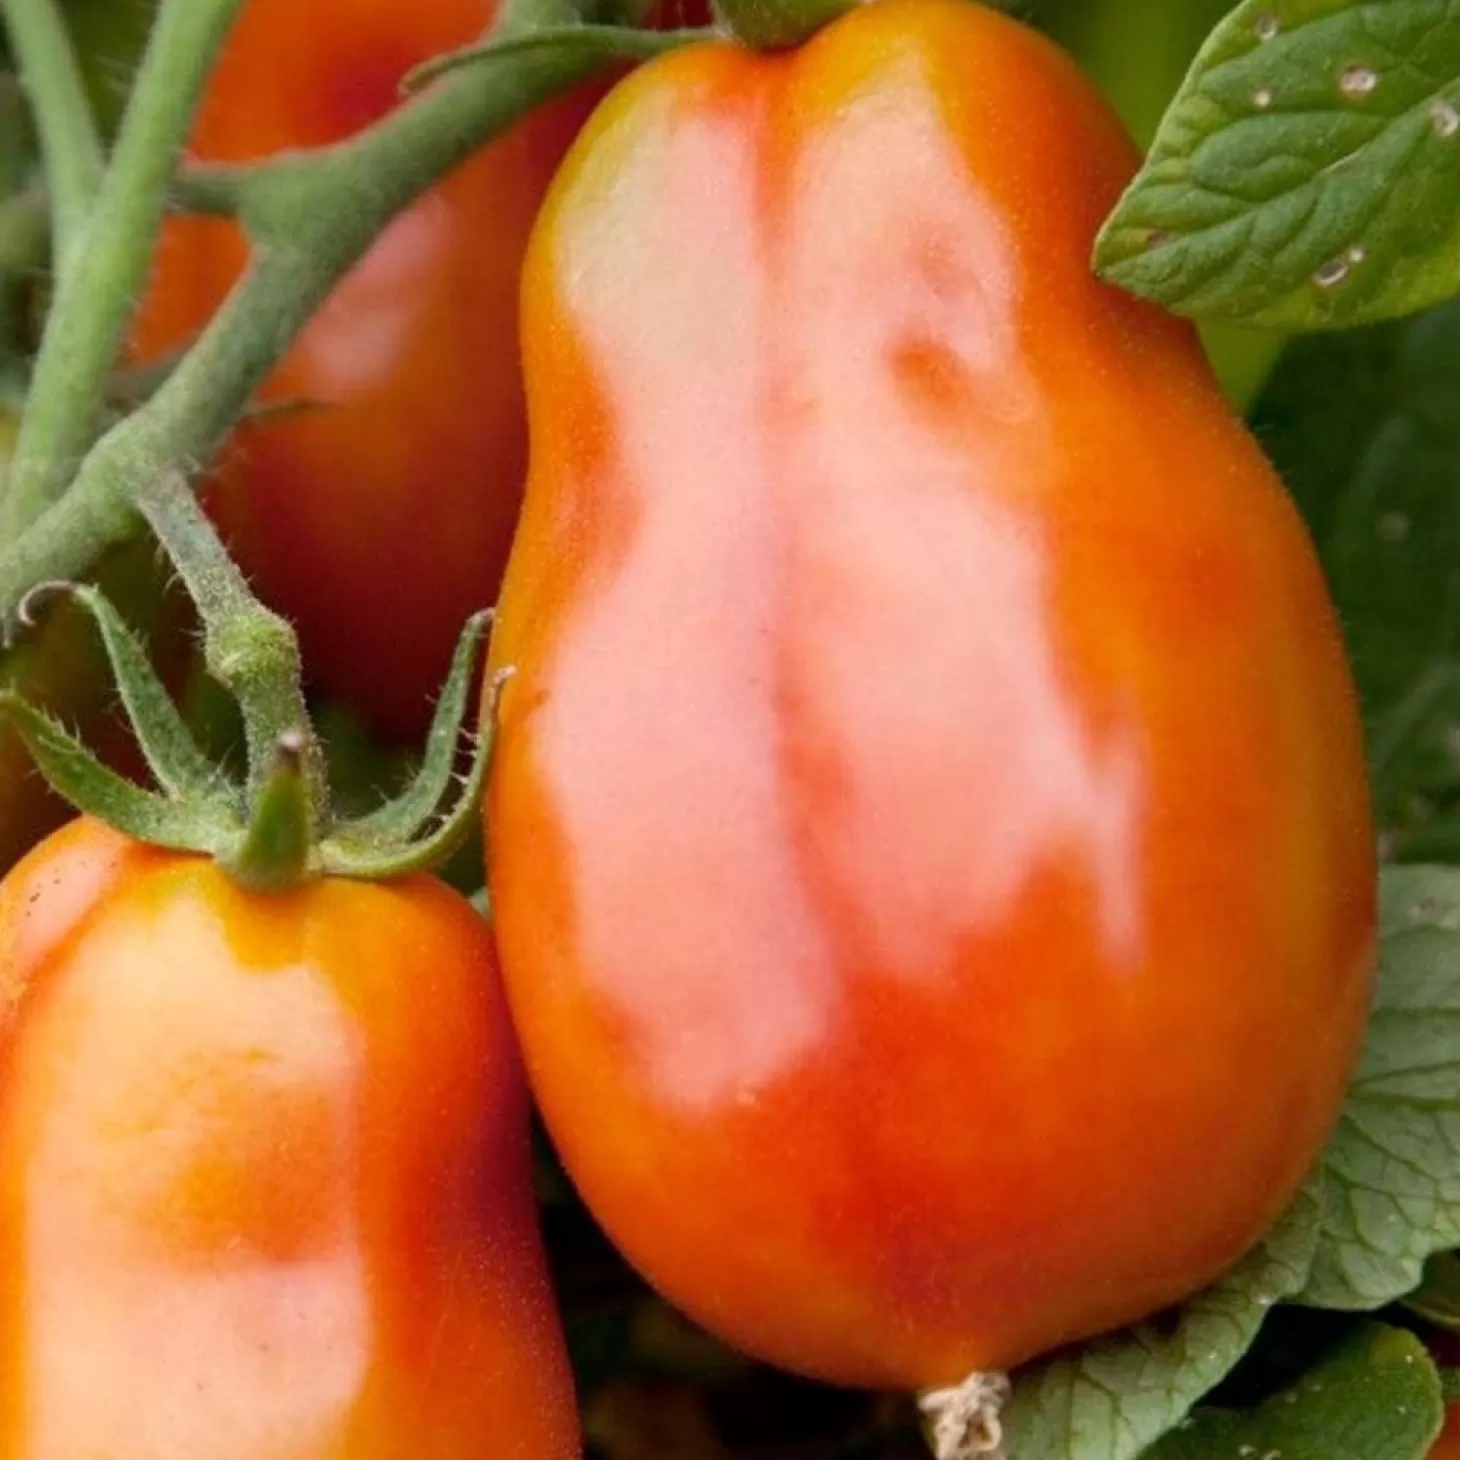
<point>1262,98</point>
<point>1331,274</point>
<point>1266,26</point>
<point>1444,118</point>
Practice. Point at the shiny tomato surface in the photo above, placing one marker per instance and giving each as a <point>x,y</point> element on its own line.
<point>264,1183</point>
<point>929,835</point>
<point>378,514</point>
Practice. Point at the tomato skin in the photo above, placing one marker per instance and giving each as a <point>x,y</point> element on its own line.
<point>930,810</point>
<point>378,518</point>
<point>264,1182</point>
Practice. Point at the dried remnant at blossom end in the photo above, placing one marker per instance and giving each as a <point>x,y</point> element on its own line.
<point>963,1421</point>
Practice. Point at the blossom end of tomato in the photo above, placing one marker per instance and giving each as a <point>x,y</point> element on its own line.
<point>963,1420</point>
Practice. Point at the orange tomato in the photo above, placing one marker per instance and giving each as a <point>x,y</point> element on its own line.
<point>929,837</point>
<point>378,515</point>
<point>264,1182</point>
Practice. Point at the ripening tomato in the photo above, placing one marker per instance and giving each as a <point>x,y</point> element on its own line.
<point>264,1185</point>
<point>929,837</point>
<point>377,515</point>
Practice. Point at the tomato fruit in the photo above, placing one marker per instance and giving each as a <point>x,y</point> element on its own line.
<point>264,1182</point>
<point>379,513</point>
<point>929,836</point>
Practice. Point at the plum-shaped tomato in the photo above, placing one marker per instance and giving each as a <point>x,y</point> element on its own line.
<point>264,1186</point>
<point>929,838</point>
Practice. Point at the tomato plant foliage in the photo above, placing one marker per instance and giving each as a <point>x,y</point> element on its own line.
<point>1363,427</point>
<point>1307,173</point>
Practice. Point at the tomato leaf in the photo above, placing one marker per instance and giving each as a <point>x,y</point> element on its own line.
<point>1363,428</point>
<point>1111,1398</point>
<point>1376,1397</point>
<point>1392,1170</point>
<point>1307,175</point>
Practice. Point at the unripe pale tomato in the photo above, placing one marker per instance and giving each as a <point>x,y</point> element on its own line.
<point>379,513</point>
<point>264,1184</point>
<point>929,835</point>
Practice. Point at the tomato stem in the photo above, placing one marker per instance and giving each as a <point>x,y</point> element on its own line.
<point>248,648</point>
<point>102,265</point>
<point>310,216</point>
<point>70,142</point>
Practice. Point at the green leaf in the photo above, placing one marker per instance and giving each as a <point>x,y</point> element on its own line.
<point>1392,1170</point>
<point>1364,429</point>
<point>1307,174</point>
<point>1376,1397</point>
<point>1111,1398</point>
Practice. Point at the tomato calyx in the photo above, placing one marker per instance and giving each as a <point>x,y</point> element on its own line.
<point>275,827</point>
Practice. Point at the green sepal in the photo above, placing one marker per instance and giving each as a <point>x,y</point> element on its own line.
<point>404,817</point>
<point>436,845</point>
<point>74,773</point>
<point>274,852</point>
<point>174,757</point>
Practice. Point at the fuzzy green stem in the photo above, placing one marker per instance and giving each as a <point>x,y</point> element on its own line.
<point>70,142</point>
<point>103,272</point>
<point>249,649</point>
<point>310,215</point>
